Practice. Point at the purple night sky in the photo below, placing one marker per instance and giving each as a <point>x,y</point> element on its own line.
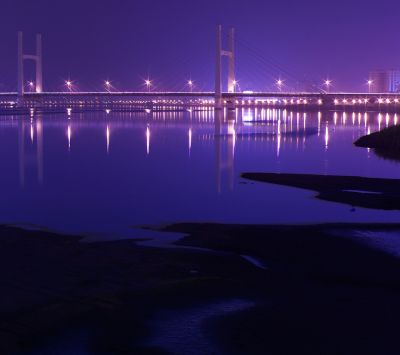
<point>124,41</point>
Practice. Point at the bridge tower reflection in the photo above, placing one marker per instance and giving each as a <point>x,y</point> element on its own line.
<point>224,140</point>
<point>22,149</point>
<point>39,148</point>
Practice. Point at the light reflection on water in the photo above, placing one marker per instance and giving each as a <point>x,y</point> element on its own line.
<point>104,172</point>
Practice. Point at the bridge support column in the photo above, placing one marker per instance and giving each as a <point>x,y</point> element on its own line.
<point>38,61</point>
<point>20,67</point>
<point>231,65</point>
<point>39,73</point>
<point>218,83</point>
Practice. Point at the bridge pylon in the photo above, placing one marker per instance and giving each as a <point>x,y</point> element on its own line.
<point>230,53</point>
<point>37,58</point>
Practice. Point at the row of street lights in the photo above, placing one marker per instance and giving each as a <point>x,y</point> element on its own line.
<point>328,84</point>
<point>190,83</point>
<point>108,86</point>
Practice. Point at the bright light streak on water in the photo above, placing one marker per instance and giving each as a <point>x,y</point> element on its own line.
<point>148,140</point>
<point>108,138</point>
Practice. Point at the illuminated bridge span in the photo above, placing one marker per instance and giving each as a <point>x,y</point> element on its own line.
<point>183,100</point>
<point>229,98</point>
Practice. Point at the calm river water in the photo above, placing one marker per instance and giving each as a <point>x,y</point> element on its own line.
<point>103,173</point>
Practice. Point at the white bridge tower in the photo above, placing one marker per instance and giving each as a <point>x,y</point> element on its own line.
<point>35,57</point>
<point>230,53</point>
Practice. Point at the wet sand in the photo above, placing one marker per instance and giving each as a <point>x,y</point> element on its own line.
<point>320,293</point>
<point>53,284</point>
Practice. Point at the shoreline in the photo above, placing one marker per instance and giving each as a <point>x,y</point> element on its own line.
<point>373,193</point>
<point>55,283</point>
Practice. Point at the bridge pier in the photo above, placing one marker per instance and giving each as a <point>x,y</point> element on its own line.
<point>231,63</point>
<point>20,74</point>
<point>218,65</point>
<point>218,83</point>
<point>20,66</point>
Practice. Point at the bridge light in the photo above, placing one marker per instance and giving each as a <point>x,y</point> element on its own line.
<point>190,83</point>
<point>319,102</point>
<point>327,83</point>
<point>279,84</point>
<point>396,100</point>
<point>370,82</point>
<point>380,101</point>
<point>147,82</point>
<point>388,101</point>
<point>336,101</point>
<point>354,101</point>
<point>68,84</point>
<point>31,85</point>
<point>365,101</point>
<point>345,101</point>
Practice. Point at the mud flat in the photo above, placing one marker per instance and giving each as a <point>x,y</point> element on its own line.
<point>321,292</point>
<point>357,191</point>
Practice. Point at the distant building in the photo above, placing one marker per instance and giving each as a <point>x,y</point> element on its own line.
<point>385,81</point>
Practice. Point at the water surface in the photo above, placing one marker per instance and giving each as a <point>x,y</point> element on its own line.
<point>102,173</point>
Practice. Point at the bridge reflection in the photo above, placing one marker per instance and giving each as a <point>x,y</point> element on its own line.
<point>272,129</point>
<point>28,154</point>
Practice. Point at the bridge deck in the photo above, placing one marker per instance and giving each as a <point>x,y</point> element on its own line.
<point>147,100</point>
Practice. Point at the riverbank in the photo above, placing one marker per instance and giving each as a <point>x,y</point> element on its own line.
<point>375,193</point>
<point>53,283</point>
<point>321,291</point>
<point>386,143</point>
<point>325,292</point>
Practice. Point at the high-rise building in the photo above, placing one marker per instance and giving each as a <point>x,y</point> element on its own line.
<point>384,81</point>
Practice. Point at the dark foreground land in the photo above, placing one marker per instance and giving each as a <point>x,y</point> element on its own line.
<point>320,293</point>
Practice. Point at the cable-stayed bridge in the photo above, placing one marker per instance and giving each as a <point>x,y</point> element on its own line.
<point>230,98</point>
